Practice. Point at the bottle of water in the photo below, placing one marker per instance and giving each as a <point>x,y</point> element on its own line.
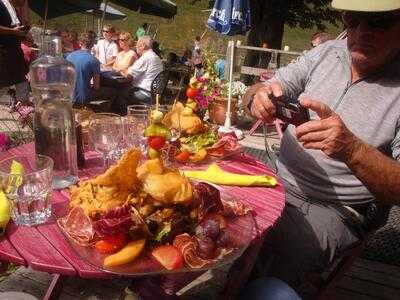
<point>52,82</point>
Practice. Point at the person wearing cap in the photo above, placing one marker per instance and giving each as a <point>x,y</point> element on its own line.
<point>342,168</point>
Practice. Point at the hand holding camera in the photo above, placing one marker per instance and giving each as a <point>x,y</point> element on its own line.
<point>269,103</point>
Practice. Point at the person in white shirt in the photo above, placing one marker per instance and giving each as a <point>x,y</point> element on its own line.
<point>141,75</point>
<point>106,49</point>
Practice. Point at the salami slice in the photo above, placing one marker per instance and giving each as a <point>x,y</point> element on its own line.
<point>77,226</point>
<point>227,144</point>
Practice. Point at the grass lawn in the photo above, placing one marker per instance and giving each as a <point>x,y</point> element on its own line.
<point>180,31</point>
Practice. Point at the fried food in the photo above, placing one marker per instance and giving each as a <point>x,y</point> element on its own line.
<point>117,186</point>
<point>186,123</point>
<point>123,174</point>
<point>169,188</point>
<point>93,198</point>
<point>165,186</point>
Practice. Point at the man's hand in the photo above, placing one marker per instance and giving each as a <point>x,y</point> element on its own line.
<point>262,107</point>
<point>19,31</point>
<point>329,134</point>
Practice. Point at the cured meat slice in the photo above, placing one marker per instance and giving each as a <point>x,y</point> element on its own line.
<point>234,208</point>
<point>227,144</point>
<point>187,245</point>
<point>77,226</point>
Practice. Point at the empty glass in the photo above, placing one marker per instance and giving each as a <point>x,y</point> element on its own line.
<point>28,186</point>
<point>106,133</point>
<point>138,116</point>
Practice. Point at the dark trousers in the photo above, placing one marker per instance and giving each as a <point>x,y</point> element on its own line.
<point>128,96</point>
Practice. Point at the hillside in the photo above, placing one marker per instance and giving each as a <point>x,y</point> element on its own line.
<point>180,31</point>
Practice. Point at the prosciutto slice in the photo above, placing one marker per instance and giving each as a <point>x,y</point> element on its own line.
<point>226,145</point>
<point>77,226</point>
<point>187,245</point>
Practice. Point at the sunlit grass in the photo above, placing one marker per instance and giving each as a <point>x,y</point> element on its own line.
<point>179,32</point>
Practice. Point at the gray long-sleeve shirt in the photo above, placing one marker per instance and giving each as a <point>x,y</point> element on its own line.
<point>369,107</point>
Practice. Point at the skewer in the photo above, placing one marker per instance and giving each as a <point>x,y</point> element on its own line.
<point>157,101</point>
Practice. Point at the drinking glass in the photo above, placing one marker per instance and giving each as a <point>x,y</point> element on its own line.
<point>106,133</point>
<point>139,116</point>
<point>29,189</point>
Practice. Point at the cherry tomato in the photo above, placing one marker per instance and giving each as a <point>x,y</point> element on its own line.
<point>111,244</point>
<point>183,156</point>
<point>156,142</point>
<point>192,93</point>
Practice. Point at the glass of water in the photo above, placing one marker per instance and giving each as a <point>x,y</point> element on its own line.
<point>27,183</point>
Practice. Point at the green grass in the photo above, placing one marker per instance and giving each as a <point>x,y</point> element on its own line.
<point>180,31</point>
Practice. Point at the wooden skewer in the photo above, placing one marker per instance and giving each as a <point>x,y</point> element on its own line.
<point>157,101</point>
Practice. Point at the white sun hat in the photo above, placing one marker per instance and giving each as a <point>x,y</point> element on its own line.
<point>366,5</point>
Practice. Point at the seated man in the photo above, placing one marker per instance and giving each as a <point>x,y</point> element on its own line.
<point>141,74</point>
<point>87,67</point>
<point>340,167</point>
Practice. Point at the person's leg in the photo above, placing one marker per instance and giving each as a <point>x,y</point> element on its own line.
<point>305,242</point>
<point>268,288</point>
<point>139,97</point>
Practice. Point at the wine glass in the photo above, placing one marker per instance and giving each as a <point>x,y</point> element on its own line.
<point>106,133</point>
<point>135,123</point>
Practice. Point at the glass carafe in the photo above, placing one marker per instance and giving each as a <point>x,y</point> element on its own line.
<point>52,82</point>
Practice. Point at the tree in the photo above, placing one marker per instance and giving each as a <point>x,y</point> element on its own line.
<point>268,18</point>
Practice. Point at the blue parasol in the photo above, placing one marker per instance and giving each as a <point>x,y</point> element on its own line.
<point>230,17</point>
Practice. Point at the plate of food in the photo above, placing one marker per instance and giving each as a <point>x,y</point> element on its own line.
<point>182,136</point>
<point>140,218</point>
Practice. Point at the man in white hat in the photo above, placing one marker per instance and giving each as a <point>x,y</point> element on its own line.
<point>339,168</point>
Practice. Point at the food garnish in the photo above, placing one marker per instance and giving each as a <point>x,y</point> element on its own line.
<point>127,254</point>
<point>168,256</point>
<point>111,244</point>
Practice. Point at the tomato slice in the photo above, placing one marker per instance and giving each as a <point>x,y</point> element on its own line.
<point>156,142</point>
<point>111,244</point>
<point>183,156</point>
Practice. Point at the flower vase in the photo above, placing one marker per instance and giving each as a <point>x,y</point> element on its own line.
<point>218,107</point>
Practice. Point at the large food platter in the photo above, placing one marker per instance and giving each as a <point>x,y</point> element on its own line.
<point>241,229</point>
<point>141,217</point>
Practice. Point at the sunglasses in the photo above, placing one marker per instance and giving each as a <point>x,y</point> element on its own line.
<point>374,20</point>
<point>106,31</point>
<point>122,40</point>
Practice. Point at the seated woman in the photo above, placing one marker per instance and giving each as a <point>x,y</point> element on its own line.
<point>124,59</point>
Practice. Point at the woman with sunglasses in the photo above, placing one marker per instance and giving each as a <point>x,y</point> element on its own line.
<point>341,169</point>
<point>127,56</point>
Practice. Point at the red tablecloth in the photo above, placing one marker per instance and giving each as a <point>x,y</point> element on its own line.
<point>44,247</point>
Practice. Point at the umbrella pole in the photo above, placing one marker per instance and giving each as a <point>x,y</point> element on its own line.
<point>231,46</point>
<point>46,11</point>
<point>103,15</point>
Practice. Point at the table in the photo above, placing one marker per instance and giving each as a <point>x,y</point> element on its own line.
<point>44,248</point>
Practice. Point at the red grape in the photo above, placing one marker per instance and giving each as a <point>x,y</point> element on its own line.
<point>224,239</point>
<point>206,248</point>
<point>211,228</point>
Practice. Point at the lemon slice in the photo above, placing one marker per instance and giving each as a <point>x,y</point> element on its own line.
<point>15,181</point>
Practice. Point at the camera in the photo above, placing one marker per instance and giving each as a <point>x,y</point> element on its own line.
<point>288,112</point>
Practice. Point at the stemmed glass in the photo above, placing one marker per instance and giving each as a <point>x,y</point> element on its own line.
<point>135,123</point>
<point>106,133</point>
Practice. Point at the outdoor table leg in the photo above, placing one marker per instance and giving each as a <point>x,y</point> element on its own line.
<point>241,269</point>
<point>55,287</point>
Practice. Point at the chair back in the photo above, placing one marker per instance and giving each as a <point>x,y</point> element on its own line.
<point>159,85</point>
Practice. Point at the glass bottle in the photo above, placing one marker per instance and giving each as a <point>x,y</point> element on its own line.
<point>52,82</point>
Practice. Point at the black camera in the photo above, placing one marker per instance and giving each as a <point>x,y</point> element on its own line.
<point>288,112</point>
